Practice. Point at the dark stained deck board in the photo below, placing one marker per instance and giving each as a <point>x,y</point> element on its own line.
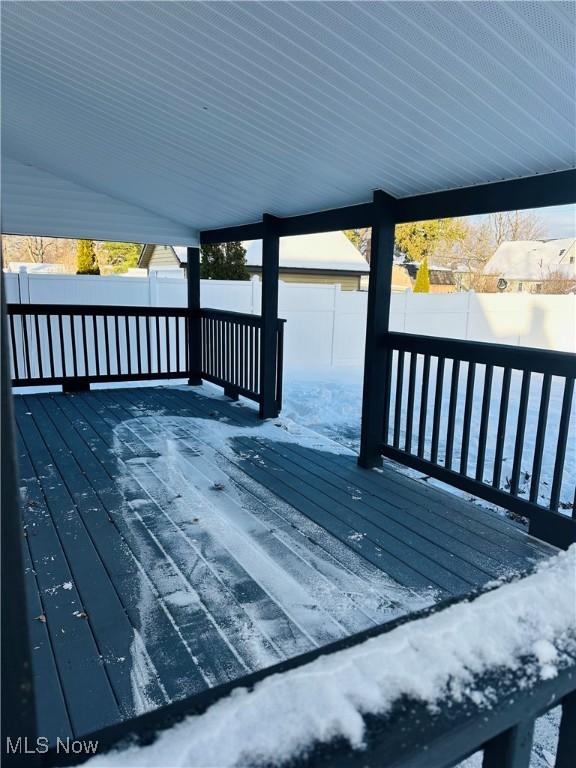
<point>423,509</point>
<point>239,596</point>
<point>103,501</point>
<point>311,572</point>
<point>493,527</point>
<point>86,685</point>
<point>51,710</point>
<point>176,659</point>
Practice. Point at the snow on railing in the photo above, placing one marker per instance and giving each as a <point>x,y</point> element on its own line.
<point>425,691</point>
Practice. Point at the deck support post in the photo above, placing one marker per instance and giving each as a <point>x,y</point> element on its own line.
<point>194,328</point>
<point>377,321</point>
<point>269,339</point>
<point>18,711</point>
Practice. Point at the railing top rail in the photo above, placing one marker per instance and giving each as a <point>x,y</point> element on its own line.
<point>106,310</point>
<point>241,316</point>
<point>505,355</point>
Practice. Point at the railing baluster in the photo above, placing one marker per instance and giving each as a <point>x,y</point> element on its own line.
<point>520,432</point>
<point>540,437</point>
<point>511,749</point>
<point>423,406</point>
<point>387,393</point>
<point>96,344</point>
<point>138,322</point>
<point>561,445</point>
<point>149,345</point>
<point>469,401</point>
<point>117,338</point>
<point>38,345</point>
<point>438,391</point>
<point>26,346</point>
<point>484,417</point>
<point>567,733</point>
<point>127,336</point>
<point>50,344</point>
<point>158,354</point>
<point>107,344</point>
<point>255,386</point>
<point>177,322</point>
<point>410,404</point>
<point>71,319</point>
<point>14,348</point>
<point>452,414</point>
<point>501,433</point>
<point>84,344</point>
<point>248,360</point>
<point>398,403</point>
<point>62,347</point>
<point>167,342</point>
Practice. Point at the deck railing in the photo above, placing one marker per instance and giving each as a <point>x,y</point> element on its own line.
<point>410,734</point>
<point>477,416</point>
<point>78,345</point>
<point>231,346</point>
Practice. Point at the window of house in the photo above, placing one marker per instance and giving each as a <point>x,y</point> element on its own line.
<point>520,287</point>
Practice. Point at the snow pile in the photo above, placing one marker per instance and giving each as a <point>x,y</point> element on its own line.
<point>427,659</point>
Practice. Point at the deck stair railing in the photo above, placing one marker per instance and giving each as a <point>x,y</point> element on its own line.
<point>78,345</point>
<point>477,416</point>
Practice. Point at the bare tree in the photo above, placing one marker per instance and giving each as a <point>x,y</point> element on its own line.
<point>361,239</point>
<point>516,225</point>
<point>37,249</point>
<point>557,281</point>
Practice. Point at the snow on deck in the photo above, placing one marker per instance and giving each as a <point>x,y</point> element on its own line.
<point>216,540</point>
<point>176,543</point>
<point>428,660</point>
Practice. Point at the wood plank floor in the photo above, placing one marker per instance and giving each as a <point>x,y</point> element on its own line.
<point>173,542</point>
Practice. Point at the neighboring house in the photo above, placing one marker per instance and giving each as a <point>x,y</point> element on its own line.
<point>441,278</point>
<point>157,257</point>
<point>328,258</point>
<point>527,264</point>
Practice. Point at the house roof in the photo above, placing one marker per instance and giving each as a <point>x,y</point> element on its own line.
<point>532,259</point>
<point>438,275</point>
<point>151,121</point>
<point>329,251</point>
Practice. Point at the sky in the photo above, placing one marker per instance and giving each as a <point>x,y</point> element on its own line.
<point>560,220</point>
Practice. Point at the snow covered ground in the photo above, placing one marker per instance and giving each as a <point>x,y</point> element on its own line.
<point>329,400</point>
<point>329,697</point>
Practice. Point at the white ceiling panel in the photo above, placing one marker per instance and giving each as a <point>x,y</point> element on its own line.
<point>208,114</point>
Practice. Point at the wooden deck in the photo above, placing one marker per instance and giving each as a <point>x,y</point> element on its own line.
<point>174,543</point>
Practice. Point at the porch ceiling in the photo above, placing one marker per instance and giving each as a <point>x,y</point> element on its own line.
<point>150,120</point>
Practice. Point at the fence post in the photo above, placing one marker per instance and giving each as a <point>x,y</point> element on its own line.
<point>377,323</point>
<point>253,293</point>
<point>23,286</point>
<point>269,333</point>
<point>335,291</point>
<point>153,288</point>
<point>194,319</point>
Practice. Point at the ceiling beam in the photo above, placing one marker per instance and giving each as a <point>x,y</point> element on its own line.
<point>516,194</point>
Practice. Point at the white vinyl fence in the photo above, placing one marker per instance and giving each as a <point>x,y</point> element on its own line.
<point>325,326</point>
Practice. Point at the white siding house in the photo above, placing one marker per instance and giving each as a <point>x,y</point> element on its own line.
<point>329,257</point>
<point>527,264</point>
